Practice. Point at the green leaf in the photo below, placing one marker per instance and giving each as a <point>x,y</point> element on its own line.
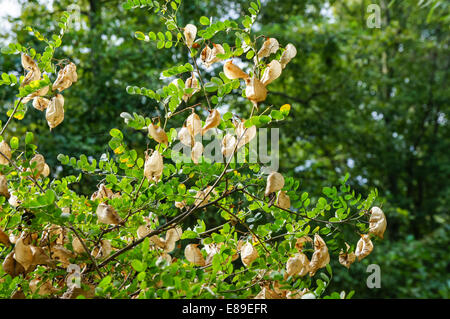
<point>29,138</point>
<point>205,21</point>
<point>14,142</point>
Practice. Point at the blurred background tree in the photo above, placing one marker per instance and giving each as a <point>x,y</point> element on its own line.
<point>373,102</point>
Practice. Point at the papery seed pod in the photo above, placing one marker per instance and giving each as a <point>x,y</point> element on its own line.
<point>212,121</point>
<point>196,152</point>
<point>180,205</point>
<point>55,111</point>
<point>62,254</point>
<point>4,187</point>
<point>39,93</point>
<point>153,167</point>
<point>228,145</point>
<point>40,103</point>
<point>190,32</point>
<point>211,251</point>
<point>6,150</point>
<point>255,90</point>
<point>103,251</point>
<point>364,247</point>
<point>155,240</point>
<point>33,75</point>
<point>244,135</point>
<point>297,265</point>
<point>78,246</point>
<point>320,257</point>
<point>233,71</point>
<point>41,258</point>
<point>269,46</point>
<point>201,198</point>
<point>107,215</point>
<point>377,222</point>
<point>194,255</point>
<point>38,161</point>
<point>73,292</point>
<point>283,200</point>
<point>102,193</point>
<point>14,200</point>
<point>23,253</point>
<point>143,231</point>
<point>65,77</point>
<point>301,241</point>
<point>289,53</point>
<point>46,170</point>
<point>271,73</point>
<point>13,238</point>
<point>267,293</point>
<point>11,266</point>
<point>194,124</point>
<point>158,134</point>
<point>346,258</point>
<point>4,239</point>
<point>209,56</point>
<point>275,182</point>
<point>191,83</point>
<point>248,254</point>
<point>41,288</point>
<point>28,63</point>
<point>185,137</point>
<point>172,236</point>
<point>164,257</point>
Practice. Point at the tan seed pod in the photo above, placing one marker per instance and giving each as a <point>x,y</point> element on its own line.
<point>269,46</point>
<point>153,167</point>
<point>40,103</point>
<point>62,254</point>
<point>155,240</point>
<point>65,78</point>
<point>377,222</point>
<point>275,182</point>
<point>191,83</point>
<point>301,241</point>
<point>297,265</point>
<point>196,152</point>
<point>228,144</point>
<point>6,150</point>
<point>267,293</point>
<point>194,255</point>
<point>103,251</point>
<point>71,72</point>
<point>4,187</point>
<point>143,231</point>
<point>28,63</point>
<point>38,161</point>
<point>36,94</point>
<point>244,135</point>
<point>190,32</point>
<point>346,258</point>
<point>232,71</point>
<point>255,90</point>
<point>364,247</point>
<point>55,111</point>
<point>103,192</point>
<point>209,56</point>
<point>158,134</point>
<point>200,198</point>
<point>13,238</point>
<point>42,288</point>
<point>283,200</point>
<point>212,121</point>
<point>166,257</point>
<point>11,266</point>
<point>78,246</point>
<point>107,215</point>
<point>174,233</point>
<point>211,251</point>
<point>4,239</point>
<point>23,253</point>
<point>320,257</point>
<point>41,258</point>
<point>271,73</point>
<point>33,75</point>
<point>185,137</point>
<point>46,170</point>
<point>194,124</point>
<point>289,53</point>
<point>180,205</point>
<point>14,200</point>
<point>248,254</point>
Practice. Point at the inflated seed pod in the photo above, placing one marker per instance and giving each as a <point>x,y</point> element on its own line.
<point>28,63</point>
<point>39,93</point>
<point>377,222</point>
<point>244,135</point>
<point>40,103</point>
<point>153,167</point>
<point>107,215</point>
<point>269,46</point>
<point>185,137</point>
<point>23,253</point>
<point>65,78</point>
<point>228,144</point>
<point>232,71</point>
<point>46,170</point>
<point>103,192</point>
<point>6,151</point>
<point>289,53</point>
<point>271,73</point>
<point>103,250</point>
<point>11,266</point>
<point>190,32</point>
<point>212,121</point>
<point>158,134</point>
<point>38,161</point>
<point>77,246</point>
<point>62,254</point>
<point>248,254</point>
<point>41,258</point>
<point>275,182</point>
<point>4,239</point>
<point>346,258</point>
<point>283,200</point>
<point>191,83</point>
<point>4,187</point>
<point>55,111</point>
<point>364,247</point>
<point>301,241</point>
<point>194,255</point>
<point>196,152</point>
<point>194,124</point>
<point>297,265</point>
<point>320,257</point>
<point>209,56</point>
<point>42,288</point>
<point>33,75</point>
<point>255,90</point>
